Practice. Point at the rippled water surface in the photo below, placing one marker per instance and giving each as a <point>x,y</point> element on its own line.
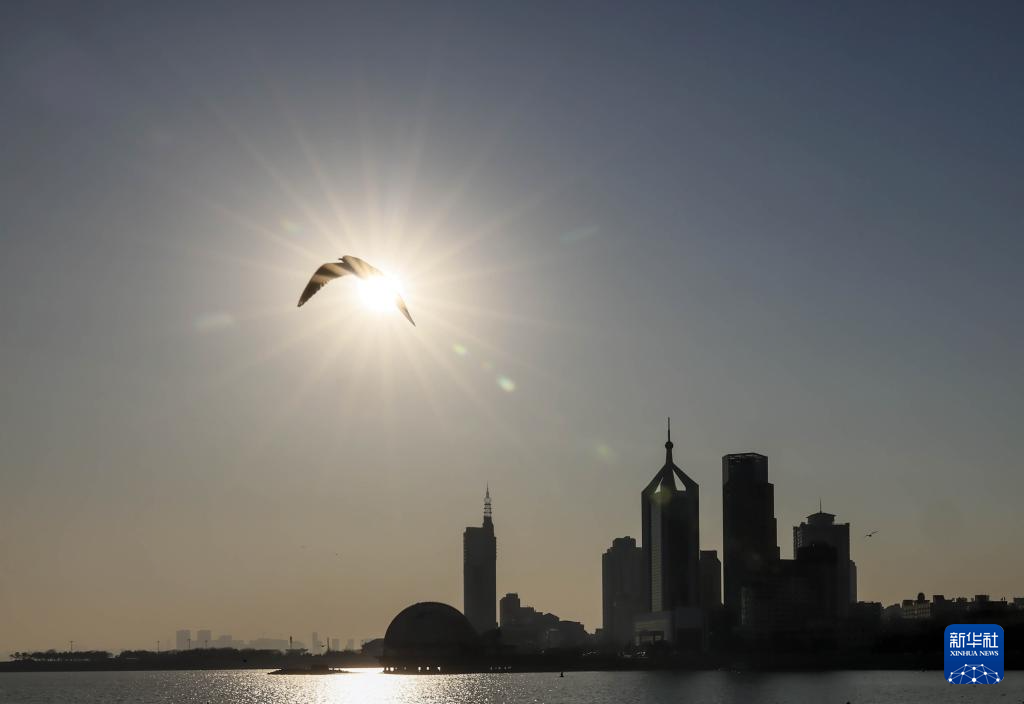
<point>576,687</point>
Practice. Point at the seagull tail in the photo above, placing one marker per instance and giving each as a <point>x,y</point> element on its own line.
<point>400,304</point>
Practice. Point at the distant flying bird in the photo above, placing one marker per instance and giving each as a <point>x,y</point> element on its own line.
<point>348,265</point>
<point>868,535</point>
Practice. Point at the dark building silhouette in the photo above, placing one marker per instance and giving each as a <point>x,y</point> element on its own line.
<point>670,506</point>
<point>748,525</point>
<point>525,629</point>
<point>623,590</point>
<point>429,637</point>
<point>792,598</point>
<point>479,563</point>
<point>509,610</point>
<point>817,567</point>
<point>821,529</point>
<point>374,647</point>
<point>710,580</point>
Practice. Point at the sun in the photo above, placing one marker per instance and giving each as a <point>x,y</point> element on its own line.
<point>380,293</point>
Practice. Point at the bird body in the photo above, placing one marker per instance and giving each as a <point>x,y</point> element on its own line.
<point>348,265</point>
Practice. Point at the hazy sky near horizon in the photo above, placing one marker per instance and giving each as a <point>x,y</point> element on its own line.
<point>795,228</point>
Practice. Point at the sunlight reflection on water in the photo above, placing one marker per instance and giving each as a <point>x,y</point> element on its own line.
<point>371,687</point>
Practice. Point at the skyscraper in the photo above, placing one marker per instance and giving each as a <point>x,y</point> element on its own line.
<point>670,506</point>
<point>623,589</point>
<point>748,525</point>
<point>203,638</point>
<point>479,563</point>
<point>182,639</point>
<point>821,529</point>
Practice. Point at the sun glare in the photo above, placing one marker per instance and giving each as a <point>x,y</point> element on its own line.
<point>379,293</point>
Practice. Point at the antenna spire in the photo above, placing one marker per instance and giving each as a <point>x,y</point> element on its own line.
<point>668,444</point>
<point>487,504</point>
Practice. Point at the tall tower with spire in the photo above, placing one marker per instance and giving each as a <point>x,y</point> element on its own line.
<point>479,566</point>
<point>671,537</point>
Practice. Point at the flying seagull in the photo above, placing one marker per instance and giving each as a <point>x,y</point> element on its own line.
<point>347,265</point>
<point>868,535</point>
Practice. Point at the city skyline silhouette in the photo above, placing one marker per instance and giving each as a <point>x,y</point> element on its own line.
<point>702,590</point>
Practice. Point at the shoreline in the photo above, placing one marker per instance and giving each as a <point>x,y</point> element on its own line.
<point>4,669</point>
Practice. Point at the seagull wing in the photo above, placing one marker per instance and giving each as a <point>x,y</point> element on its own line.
<point>364,270</point>
<point>322,276</point>
<point>405,311</point>
<point>360,268</point>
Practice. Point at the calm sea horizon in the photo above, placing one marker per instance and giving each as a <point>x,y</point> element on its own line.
<point>370,687</point>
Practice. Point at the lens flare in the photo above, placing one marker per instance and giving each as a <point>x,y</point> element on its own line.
<point>380,293</point>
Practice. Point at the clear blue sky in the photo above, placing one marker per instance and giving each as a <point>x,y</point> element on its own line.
<point>793,227</point>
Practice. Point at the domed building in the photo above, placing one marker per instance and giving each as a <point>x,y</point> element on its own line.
<point>430,637</point>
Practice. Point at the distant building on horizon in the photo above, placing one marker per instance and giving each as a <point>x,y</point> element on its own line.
<point>281,644</point>
<point>670,507</point>
<point>226,640</point>
<point>821,529</point>
<point>623,590</point>
<point>952,609</point>
<point>479,567</point>
<point>203,638</point>
<point>749,529</point>
<point>183,639</point>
